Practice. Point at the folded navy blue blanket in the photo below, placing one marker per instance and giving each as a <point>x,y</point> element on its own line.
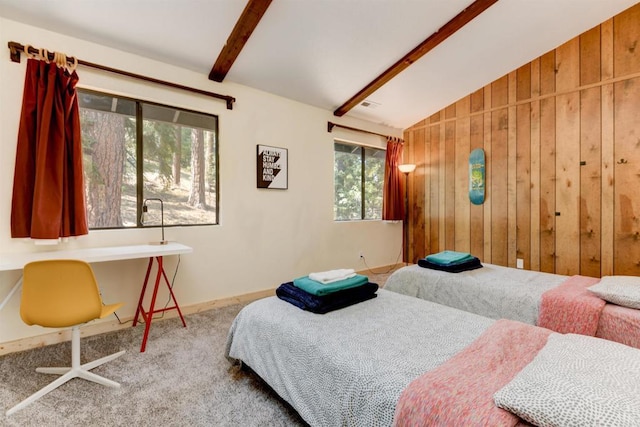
<point>454,268</point>
<point>322,304</point>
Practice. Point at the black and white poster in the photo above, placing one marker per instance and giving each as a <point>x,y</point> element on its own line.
<point>272,167</point>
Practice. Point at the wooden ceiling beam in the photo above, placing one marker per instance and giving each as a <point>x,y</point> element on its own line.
<point>248,21</point>
<point>447,30</point>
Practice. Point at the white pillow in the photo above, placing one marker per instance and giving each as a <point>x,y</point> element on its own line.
<point>621,290</point>
<point>576,380</point>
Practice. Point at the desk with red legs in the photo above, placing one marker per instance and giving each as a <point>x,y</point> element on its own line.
<point>147,315</point>
<point>110,253</point>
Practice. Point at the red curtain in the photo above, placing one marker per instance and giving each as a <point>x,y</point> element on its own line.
<point>392,199</point>
<point>48,189</point>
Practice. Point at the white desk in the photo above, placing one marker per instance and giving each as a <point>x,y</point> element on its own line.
<point>111,253</point>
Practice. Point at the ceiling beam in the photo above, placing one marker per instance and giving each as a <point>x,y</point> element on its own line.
<point>248,21</point>
<point>447,30</point>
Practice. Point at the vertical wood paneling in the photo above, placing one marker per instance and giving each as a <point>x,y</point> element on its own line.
<point>548,73</point>
<point>488,153</point>
<point>568,158</point>
<point>523,77</point>
<point>547,164</point>
<point>450,190</point>
<point>590,185</point>
<point>500,92</point>
<point>462,217</point>
<point>627,178</point>
<point>523,184</point>
<point>536,125</point>
<point>450,112</point>
<point>499,185</point>
<point>418,244</point>
<point>408,228</point>
<point>590,56</point>
<point>443,201</point>
<point>534,258</point>
<point>626,41</point>
<point>476,137</point>
<point>434,192</point>
<point>568,65</point>
<point>607,167</point>
<point>512,216</point>
<point>547,184</point>
<point>426,189</point>
<point>568,183</point>
<point>607,211</point>
<point>606,50</point>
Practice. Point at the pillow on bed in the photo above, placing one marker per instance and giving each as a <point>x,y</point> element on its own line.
<point>577,380</point>
<point>621,290</point>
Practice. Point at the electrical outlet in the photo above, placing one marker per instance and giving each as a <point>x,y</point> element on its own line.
<point>519,263</point>
<point>361,254</point>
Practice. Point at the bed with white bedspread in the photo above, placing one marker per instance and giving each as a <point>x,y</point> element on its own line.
<point>369,352</point>
<point>398,360</point>
<point>501,292</point>
<point>492,291</point>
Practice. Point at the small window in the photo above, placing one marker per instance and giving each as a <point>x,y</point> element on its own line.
<point>358,182</point>
<point>135,150</point>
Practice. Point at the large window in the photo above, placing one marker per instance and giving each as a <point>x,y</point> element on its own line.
<point>358,182</point>
<point>135,150</point>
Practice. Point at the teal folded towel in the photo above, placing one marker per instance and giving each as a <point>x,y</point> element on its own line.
<point>449,257</point>
<point>317,288</point>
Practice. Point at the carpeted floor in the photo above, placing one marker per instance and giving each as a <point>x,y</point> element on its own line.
<point>183,379</point>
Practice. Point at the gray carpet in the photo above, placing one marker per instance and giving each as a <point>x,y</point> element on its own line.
<point>183,379</point>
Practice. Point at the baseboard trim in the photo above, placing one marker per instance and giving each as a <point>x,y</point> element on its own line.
<point>103,327</point>
<point>384,269</point>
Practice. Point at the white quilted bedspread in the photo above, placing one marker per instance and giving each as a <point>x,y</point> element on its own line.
<point>348,367</point>
<point>492,291</point>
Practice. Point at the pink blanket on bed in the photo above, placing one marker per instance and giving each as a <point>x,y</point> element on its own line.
<point>460,392</point>
<point>570,308</point>
<point>620,324</point>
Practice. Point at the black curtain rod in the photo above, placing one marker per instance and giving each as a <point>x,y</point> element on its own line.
<point>16,48</point>
<point>331,125</point>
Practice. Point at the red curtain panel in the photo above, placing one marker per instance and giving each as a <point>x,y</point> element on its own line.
<point>392,200</point>
<point>48,187</point>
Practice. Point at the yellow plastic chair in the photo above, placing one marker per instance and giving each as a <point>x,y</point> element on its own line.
<point>60,294</point>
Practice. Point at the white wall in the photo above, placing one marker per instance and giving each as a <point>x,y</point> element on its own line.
<point>265,237</point>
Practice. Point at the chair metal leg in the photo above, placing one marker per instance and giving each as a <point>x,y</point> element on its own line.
<point>76,370</point>
<point>37,395</point>
<point>55,371</point>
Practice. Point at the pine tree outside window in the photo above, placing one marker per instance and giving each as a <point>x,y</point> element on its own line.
<point>135,150</point>
<point>358,182</point>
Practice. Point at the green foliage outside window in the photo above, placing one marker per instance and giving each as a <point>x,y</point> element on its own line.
<point>358,182</point>
<point>134,150</point>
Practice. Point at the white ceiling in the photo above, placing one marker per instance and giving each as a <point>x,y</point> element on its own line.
<point>322,52</point>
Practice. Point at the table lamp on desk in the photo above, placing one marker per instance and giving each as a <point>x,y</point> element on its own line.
<point>144,210</point>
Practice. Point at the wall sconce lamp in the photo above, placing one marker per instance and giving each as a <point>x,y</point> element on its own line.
<point>144,210</point>
<point>406,169</point>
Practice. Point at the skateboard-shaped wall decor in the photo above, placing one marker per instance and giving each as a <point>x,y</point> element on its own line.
<point>477,176</point>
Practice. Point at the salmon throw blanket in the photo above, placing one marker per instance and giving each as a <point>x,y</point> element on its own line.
<point>571,308</point>
<point>460,391</point>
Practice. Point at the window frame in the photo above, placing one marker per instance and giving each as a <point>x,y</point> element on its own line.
<point>140,159</point>
<point>363,172</point>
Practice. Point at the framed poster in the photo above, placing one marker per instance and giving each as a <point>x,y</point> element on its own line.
<point>272,167</point>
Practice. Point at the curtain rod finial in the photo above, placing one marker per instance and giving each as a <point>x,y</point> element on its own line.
<point>14,51</point>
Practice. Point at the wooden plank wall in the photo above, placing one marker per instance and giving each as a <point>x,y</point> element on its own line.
<point>561,136</point>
